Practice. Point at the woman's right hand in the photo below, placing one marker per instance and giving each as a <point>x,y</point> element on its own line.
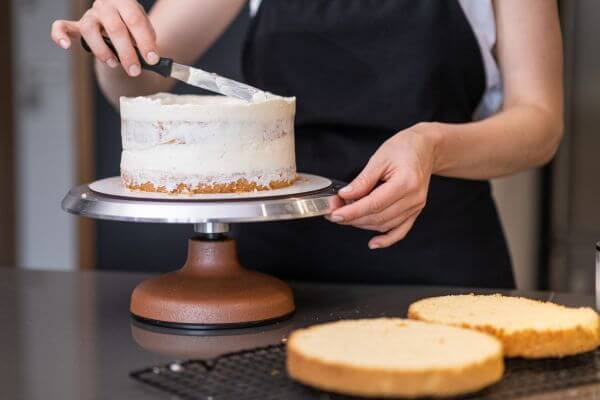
<point>124,21</point>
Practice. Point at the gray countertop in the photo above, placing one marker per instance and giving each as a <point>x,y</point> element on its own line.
<point>68,335</point>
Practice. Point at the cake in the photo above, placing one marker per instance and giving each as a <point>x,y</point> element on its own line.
<point>392,357</point>
<point>527,328</point>
<point>207,144</point>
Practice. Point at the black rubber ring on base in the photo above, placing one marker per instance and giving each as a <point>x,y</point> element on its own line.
<point>211,327</point>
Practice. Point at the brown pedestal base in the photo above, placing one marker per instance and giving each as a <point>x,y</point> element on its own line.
<point>212,291</point>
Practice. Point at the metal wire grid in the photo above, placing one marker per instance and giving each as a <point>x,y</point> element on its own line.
<point>260,374</point>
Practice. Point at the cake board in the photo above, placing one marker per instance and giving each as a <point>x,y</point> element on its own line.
<point>212,290</point>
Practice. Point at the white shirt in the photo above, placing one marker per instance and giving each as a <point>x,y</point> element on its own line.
<point>480,14</point>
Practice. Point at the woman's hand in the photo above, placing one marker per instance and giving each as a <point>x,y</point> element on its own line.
<point>124,21</point>
<point>403,165</point>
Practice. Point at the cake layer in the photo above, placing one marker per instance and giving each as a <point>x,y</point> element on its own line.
<point>214,157</point>
<point>203,144</point>
<point>264,164</point>
<point>393,358</point>
<point>145,134</point>
<point>527,328</point>
<point>157,181</point>
<point>168,107</point>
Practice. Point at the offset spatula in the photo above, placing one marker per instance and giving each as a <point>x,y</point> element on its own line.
<point>192,76</point>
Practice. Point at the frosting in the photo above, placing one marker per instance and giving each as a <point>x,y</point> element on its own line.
<point>214,157</point>
<point>168,107</point>
<point>205,140</point>
<point>144,134</point>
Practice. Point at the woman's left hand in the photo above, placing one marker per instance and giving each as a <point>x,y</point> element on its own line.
<point>403,165</point>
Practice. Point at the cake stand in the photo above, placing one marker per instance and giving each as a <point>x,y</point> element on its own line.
<point>212,290</point>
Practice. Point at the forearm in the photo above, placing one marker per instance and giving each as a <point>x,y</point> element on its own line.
<point>516,139</point>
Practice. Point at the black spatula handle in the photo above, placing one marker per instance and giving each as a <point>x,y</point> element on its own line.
<point>162,67</point>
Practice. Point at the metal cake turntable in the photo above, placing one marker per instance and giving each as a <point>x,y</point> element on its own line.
<point>212,290</point>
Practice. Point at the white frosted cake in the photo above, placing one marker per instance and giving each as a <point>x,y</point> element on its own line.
<point>207,144</point>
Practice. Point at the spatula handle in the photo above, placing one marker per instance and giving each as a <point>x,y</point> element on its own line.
<point>162,67</point>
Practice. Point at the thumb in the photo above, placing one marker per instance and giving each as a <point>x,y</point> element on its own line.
<point>364,183</point>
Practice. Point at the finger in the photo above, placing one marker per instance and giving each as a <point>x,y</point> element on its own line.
<point>118,33</point>
<point>335,203</point>
<point>388,226</point>
<point>389,218</point>
<point>62,31</point>
<point>90,27</point>
<point>368,178</point>
<point>141,29</point>
<point>378,200</point>
<point>393,236</point>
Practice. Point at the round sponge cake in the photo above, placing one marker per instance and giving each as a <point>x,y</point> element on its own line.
<point>207,144</point>
<point>394,358</point>
<point>527,328</point>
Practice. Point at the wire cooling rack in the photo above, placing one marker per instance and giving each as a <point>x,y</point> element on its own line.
<point>260,374</point>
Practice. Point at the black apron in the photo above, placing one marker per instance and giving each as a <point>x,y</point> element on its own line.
<point>362,70</point>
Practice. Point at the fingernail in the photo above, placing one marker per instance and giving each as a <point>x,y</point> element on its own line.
<point>336,218</point>
<point>111,62</point>
<point>374,246</point>
<point>64,43</point>
<point>346,189</point>
<point>152,57</point>
<point>135,70</point>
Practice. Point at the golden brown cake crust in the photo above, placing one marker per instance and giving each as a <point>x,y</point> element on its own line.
<point>529,343</point>
<point>355,380</point>
<point>532,343</point>
<point>239,186</point>
<point>370,382</point>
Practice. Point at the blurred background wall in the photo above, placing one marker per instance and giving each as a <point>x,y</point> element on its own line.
<point>575,220</point>
<point>43,137</point>
<point>64,132</point>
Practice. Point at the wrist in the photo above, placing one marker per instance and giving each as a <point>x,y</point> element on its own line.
<point>433,133</point>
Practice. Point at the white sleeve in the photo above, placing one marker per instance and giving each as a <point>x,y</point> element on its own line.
<point>254,6</point>
<point>480,14</point>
